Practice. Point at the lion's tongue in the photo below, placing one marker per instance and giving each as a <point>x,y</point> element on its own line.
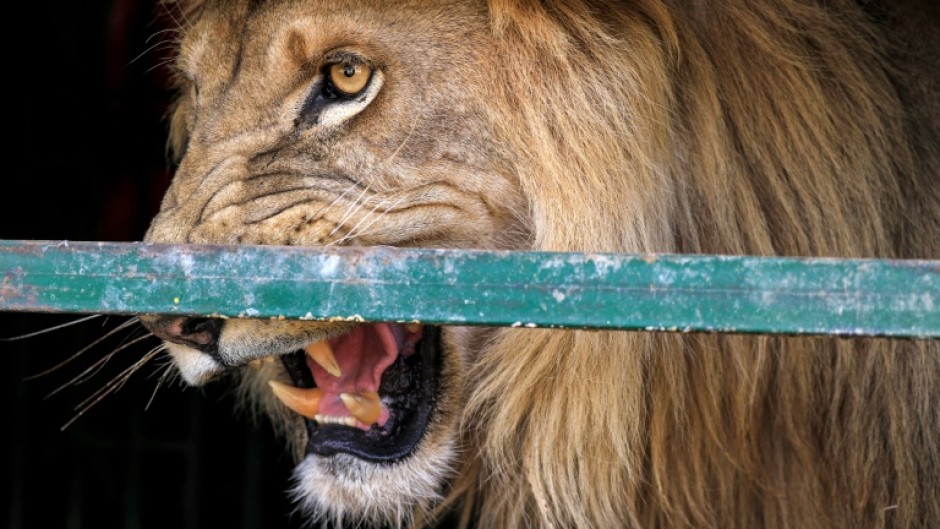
<point>363,355</point>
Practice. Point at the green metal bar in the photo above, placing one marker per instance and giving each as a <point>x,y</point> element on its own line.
<point>519,289</point>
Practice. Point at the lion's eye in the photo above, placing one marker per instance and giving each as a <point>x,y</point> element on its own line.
<point>344,87</point>
<point>350,79</point>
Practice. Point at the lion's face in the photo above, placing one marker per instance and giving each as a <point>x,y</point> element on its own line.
<point>316,123</point>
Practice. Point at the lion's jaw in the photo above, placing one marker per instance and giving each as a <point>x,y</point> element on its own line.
<point>407,161</point>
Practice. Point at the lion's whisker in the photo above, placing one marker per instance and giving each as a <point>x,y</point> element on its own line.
<point>50,329</point>
<point>169,13</point>
<point>357,232</point>
<point>163,377</point>
<point>101,362</point>
<point>121,378</point>
<point>353,209</point>
<point>149,49</point>
<point>160,64</point>
<point>316,214</point>
<point>160,32</point>
<point>134,334</point>
<point>414,125</point>
<point>350,234</point>
<point>95,367</point>
<point>81,351</point>
<point>116,383</point>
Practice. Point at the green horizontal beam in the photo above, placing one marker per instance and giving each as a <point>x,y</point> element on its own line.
<point>520,289</point>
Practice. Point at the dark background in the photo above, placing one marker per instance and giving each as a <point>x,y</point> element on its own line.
<point>87,162</point>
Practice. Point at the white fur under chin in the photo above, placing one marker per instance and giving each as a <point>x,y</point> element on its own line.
<point>345,490</point>
<point>195,367</point>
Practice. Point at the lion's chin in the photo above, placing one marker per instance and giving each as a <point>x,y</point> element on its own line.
<point>344,489</point>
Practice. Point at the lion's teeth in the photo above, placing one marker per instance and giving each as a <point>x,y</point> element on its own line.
<point>413,327</point>
<point>364,406</point>
<point>327,419</point>
<point>322,354</point>
<point>303,401</point>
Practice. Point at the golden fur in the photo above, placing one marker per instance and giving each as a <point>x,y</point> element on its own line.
<point>743,127</point>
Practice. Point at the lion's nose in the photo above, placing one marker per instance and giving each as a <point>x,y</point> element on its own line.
<point>198,333</point>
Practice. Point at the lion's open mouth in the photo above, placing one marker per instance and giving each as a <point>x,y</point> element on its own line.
<point>369,393</point>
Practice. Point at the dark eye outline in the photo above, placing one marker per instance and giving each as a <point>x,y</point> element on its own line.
<point>325,93</point>
<point>329,91</point>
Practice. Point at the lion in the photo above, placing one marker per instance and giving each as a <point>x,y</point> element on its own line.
<point>750,127</point>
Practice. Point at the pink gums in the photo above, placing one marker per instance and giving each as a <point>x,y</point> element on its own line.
<point>363,355</point>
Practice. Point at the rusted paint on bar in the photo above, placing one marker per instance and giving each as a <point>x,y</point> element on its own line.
<point>525,289</point>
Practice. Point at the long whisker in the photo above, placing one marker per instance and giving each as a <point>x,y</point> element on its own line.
<point>160,381</point>
<point>134,334</point>
<point>357,205</point>
<point>112,386</point>
<point>182,11</point>
<point>93,369</point>
<point>332,202</point>
<point>110,333</point>
<point>160,32</point>
<point>150,48</point>
<point>120,378</point>
<point>414,125</point>
<point>160,65</point>
<point>51,329</point>
<point>356,231</point>
<point>100,363</point>
<point>364,230</point>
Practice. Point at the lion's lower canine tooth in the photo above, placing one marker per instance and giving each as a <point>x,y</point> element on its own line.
<point>303,401</point>
<point>413,327</point>
<point>364,406</point>
<point>322,354</point>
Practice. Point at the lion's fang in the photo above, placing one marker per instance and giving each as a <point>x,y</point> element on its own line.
<point>322,354</point>
<point>303,401</point>
<point>364,406</point>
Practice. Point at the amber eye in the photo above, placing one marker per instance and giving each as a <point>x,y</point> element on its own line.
<point>350,79</point>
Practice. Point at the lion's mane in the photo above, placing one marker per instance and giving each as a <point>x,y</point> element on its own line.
<point>737,127</point>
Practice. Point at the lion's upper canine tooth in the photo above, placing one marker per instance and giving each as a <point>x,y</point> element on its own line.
<point>303,401</point>
<point>364,406</point>
<point>322,354</point>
